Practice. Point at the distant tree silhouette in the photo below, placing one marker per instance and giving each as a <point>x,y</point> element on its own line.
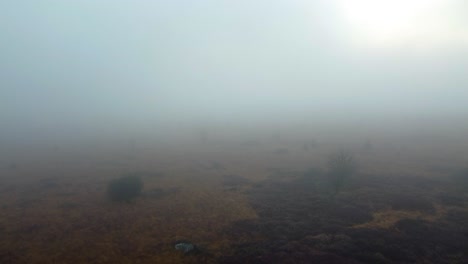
<point>341,165</point>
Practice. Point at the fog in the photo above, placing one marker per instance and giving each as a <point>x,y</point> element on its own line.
<point>231,113</point>
<point>82,69</point>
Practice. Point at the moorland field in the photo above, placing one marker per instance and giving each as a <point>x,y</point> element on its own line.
<point>251,200</point>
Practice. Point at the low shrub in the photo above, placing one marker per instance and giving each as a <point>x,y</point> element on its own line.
<point>125,188</point>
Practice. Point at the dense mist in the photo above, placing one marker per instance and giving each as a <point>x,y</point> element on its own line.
<point>289,131</point>
<point>109,68</point>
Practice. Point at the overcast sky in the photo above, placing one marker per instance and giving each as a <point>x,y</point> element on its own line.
<point>74,64</point>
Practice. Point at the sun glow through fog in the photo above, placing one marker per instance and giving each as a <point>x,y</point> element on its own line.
<point>390,23</point>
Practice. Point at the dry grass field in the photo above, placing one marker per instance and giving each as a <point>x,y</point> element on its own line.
<point>239,202</point>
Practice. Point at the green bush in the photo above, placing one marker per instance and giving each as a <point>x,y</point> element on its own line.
<point>125,188</point>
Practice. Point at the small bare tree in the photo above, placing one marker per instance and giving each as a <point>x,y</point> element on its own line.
<point>341,165</point>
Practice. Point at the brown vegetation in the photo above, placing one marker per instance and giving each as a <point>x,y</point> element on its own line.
<point>238,206</point>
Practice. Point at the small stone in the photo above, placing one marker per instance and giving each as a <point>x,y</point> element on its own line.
<point>185,247</point>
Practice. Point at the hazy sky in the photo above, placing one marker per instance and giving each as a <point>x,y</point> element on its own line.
<point>73,64</point>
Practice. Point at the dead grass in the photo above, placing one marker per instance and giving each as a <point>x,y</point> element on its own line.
<point>388,218</point>
<point>93,230</point>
